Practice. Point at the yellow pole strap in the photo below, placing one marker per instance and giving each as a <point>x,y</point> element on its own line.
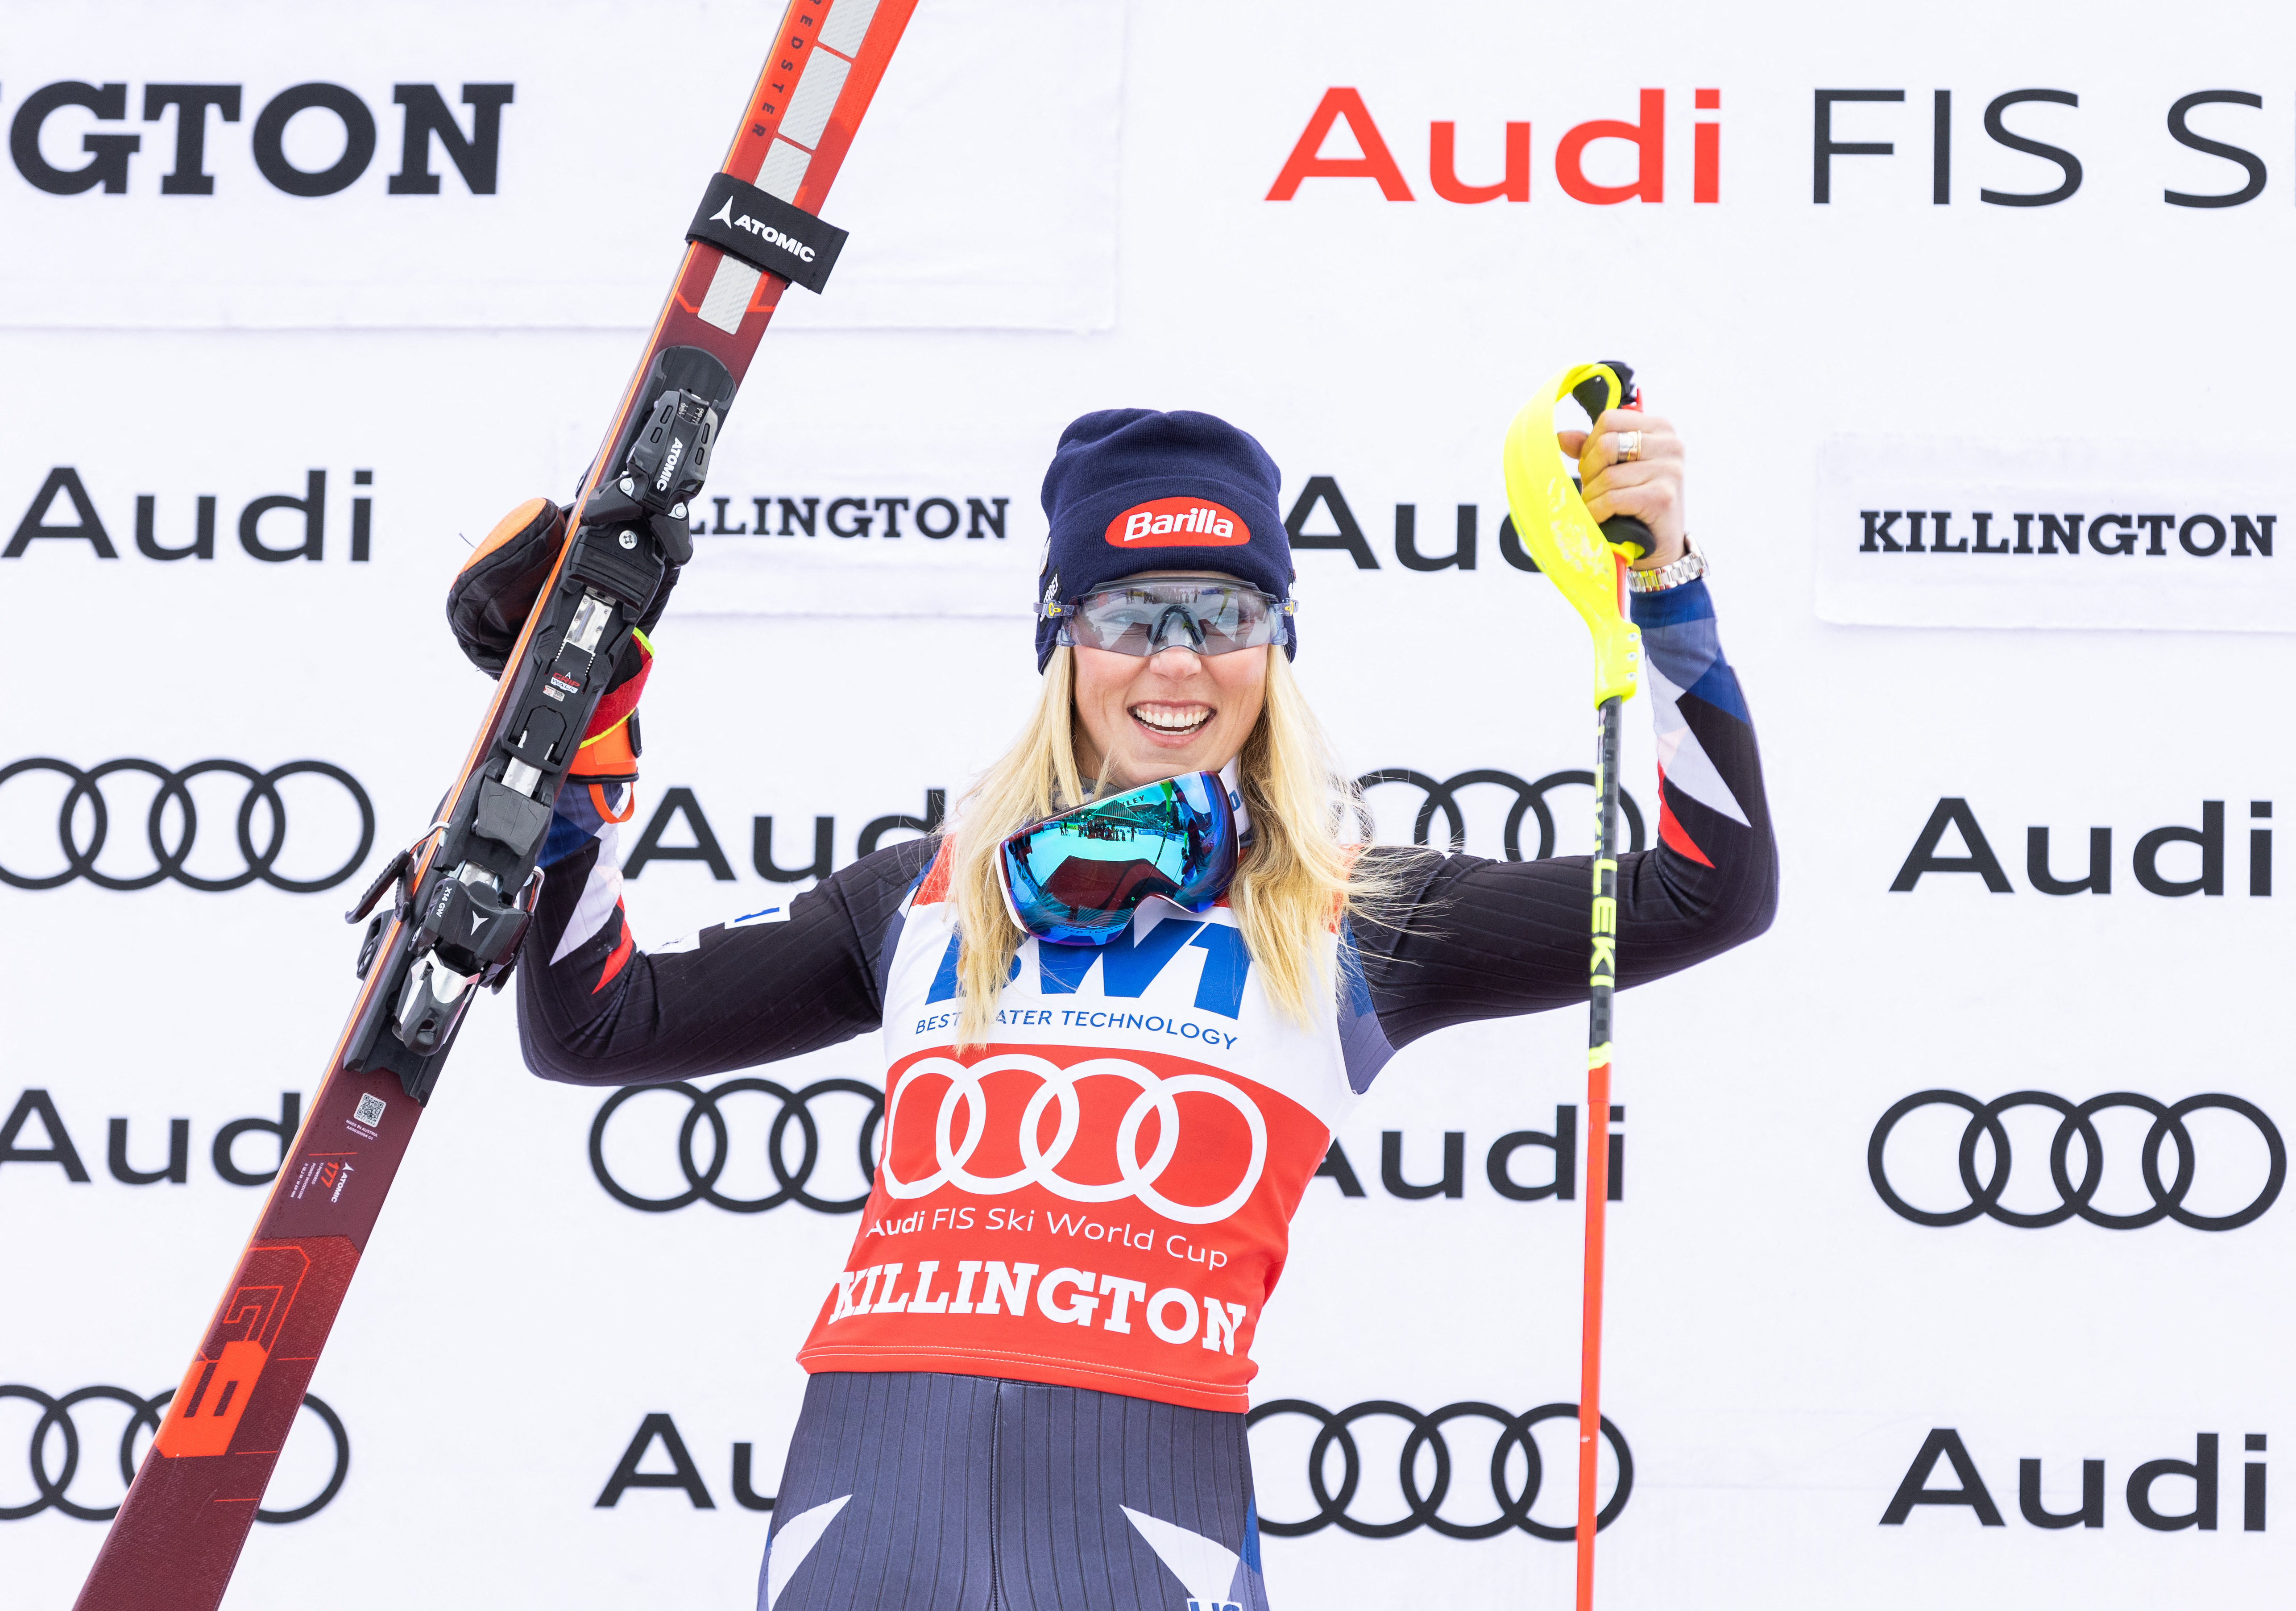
<point>1551,519</point>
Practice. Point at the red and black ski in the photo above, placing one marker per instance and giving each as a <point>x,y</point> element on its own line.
<point>461,895</point>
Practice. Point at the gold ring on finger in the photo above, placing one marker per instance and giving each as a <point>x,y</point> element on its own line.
<point>1630,445</point>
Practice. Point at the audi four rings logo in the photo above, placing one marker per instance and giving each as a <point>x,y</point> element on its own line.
<point>1529,799</point>
<point>1425,1434</point>
<point>1040,1165</point>
<point>2076,1122</point>
<point>171,825</point>
<point>791,1182</point>
<point>55,1484</point>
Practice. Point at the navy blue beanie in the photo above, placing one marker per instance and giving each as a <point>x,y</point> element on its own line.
<point>1130,489</point>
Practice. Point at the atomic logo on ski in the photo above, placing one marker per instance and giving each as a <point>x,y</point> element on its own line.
<point>764,232</point>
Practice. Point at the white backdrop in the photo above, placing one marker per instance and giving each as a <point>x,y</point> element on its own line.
<point>1064,206</point>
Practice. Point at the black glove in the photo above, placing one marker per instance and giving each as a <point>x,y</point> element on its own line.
<point>488,604</point>
<point>493,592</point>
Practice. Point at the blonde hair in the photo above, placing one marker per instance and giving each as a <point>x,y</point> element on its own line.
<point>1301,876</point>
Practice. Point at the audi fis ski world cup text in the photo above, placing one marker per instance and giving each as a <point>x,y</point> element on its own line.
<point>1843,124</point>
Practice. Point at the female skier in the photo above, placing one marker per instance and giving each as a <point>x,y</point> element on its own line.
<point>1136,987</point>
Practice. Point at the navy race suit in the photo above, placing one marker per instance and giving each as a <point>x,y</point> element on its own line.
<point>1029,1378</point>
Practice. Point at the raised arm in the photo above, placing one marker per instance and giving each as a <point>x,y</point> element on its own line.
<point>593,1008</point>
<point>1480,939</point>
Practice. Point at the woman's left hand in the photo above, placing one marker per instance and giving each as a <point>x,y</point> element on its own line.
<point>1648,486</point>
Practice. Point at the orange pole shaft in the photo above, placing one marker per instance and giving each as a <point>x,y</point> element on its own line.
<point>1601,982</point>
<point>1590,1324</point>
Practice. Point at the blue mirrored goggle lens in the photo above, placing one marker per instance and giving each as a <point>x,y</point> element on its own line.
<point>1076,878</point>
<point>1143,618</point>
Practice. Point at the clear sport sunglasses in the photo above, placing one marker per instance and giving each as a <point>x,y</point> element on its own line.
<point>1210,614</point>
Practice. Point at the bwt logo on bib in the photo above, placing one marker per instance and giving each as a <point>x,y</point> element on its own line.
<point>1178,522</point>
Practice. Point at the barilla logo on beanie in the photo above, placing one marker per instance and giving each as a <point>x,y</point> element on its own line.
<point>1178,522</point>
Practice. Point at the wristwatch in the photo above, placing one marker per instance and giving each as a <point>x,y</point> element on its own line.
<point>1689,568</point>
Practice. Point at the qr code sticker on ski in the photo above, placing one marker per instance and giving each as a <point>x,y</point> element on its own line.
<point>369,1111</point>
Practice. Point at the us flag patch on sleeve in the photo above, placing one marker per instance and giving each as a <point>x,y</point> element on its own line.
<point>694,943</point>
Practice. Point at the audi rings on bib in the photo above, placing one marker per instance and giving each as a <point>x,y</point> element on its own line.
<point>1040,1165</point>
<point>56,1415</point>
<point>262,789</point>
<point>1333,1430</point>
<point>701,1184</point>
<point>2074,1120</point>
<point>1531,799</point>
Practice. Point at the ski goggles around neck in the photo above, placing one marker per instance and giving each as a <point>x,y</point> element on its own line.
<point>1076,878</point>
<point>1210,614</point>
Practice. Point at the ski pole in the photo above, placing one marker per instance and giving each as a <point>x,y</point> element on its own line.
<point>1588,566</point>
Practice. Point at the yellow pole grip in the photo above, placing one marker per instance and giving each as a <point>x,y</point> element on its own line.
<point>1551,519</point>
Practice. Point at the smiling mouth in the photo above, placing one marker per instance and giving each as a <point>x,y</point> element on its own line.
<point>1172,721</point>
